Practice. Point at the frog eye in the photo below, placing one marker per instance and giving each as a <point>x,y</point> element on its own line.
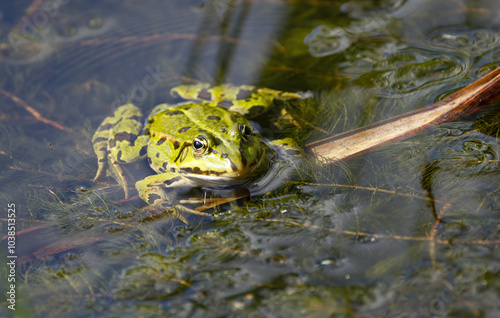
<point>200,145</point>
<point>245,130</point>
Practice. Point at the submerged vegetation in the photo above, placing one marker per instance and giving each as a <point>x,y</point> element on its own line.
<point>408,229</point>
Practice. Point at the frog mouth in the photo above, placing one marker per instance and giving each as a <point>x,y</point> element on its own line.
<point>230,177</point>
<point>211,178</point>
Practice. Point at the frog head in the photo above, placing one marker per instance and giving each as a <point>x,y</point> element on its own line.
<point>233,155</point>
<point>207,145</point>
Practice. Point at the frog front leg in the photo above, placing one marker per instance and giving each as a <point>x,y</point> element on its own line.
<point>157,191</point>
<point>247,100</point>
<point>118,140</point>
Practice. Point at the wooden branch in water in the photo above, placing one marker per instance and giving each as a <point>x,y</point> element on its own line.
<point>33,111</point>
<point>464,102</point>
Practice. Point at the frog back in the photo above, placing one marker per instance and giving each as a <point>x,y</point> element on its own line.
<point>184,122</point>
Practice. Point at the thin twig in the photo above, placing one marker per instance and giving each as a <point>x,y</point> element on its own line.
<point>374,190</point>
<point>382,236</point>
<point>33,111</point>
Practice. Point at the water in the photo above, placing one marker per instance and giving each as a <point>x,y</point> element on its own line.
<point>408,229</point>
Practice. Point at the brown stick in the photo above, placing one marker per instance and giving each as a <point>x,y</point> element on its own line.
<point>464,102</point>
<point>33,111</point>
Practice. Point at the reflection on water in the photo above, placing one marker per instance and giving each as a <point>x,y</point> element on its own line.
<point>409,228</point>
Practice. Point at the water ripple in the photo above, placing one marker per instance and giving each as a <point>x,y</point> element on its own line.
<point>323,41</point>
<point>471,41</point>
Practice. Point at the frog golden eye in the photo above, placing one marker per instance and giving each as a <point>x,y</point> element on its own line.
<point>200,145</point>
<point>245,130</point>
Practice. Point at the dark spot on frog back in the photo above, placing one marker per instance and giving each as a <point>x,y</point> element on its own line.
<point>216,118</point>
<point>161,140</point>
<point>173,113</point>
<point>184,129</point>
<point>123,136</point>
<point>225,103</point>
<point>205,94</point>
<point>244,94</point>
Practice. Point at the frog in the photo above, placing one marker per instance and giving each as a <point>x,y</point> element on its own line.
<point>207,140</point>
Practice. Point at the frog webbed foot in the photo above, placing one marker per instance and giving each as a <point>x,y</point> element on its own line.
<point>158,191</point>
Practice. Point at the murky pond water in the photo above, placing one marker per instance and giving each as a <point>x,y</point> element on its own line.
<point>408,229</point>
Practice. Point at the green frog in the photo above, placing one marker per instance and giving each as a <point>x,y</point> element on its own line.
<point>206,141</point>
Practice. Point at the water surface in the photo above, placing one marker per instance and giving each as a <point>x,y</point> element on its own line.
<point>356,238</point>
